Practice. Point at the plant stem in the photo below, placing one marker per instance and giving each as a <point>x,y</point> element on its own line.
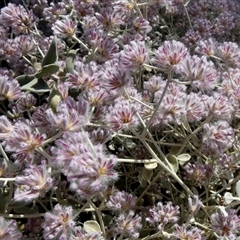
<point>158,104</point>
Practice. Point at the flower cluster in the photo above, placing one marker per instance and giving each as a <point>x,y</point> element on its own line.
<point>87,167</point>
<point>161,215</point>
<point>35,182</point>
<point>119,119</point>
<point>226,225</point>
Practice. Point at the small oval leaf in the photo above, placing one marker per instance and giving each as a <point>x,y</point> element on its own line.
<point>51,56</point>
<point>183,158</point>
<point>150,166</point>
<point>147,68</point>
<point>238,188</point>
<point>91,226</point>
<point>228,197</point>
<point>173,162</point>
<point>144,176</point>
<point>147,174</point>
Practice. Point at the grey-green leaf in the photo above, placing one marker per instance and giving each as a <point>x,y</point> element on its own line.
<point>51,56</point>
<point>183,158</point>
<point>25,79</point>
<point>47,70</point>
<point>54,98</point>
<point>150,166</point>
<point>37,86</point>
<point>173,162</point>
<point>2,202</point>
<point>91,226</point>
<point>70,61</point>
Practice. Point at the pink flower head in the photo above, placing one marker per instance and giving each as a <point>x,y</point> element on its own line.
<point>191,38</point>
<point>141,26</point>
<point>203,26</point>
<point>64,28</point>
<point>220,107</point>
<point>200,72</point>
<point>172,110</point>
<point>23,141</point>
<point>198,174</point>
<point>96,96</point>
<point>194,204</point>
<point>106,48</point>
<point>170,55</point>
<point>109,18</point>
<point>207,47</point>
<point>84,8</point>
<point>88,168</point>
<point>26,103</point>
<point>71,115</point>
<point>188,233</point>
<point>18,18</point>
<point>25,45</point>
<point>128,224</point>
<point>154,84</point>
<point>91,172</point>
<point>6,127</point>
<point>34,183</point>
<point>226,226</point>
<point>121,201</point>
<point>160,215</point>
<point>218,136</point>
<point>115,80</point>
<point>195,107</point>
<point>9,229</point>
<point>224,23</point>
<point>9,89</point>
<point>229,52</point>
<point>134,55</point>
<point>53,12</point>
<point>59,224</point>
<point>68,147</point>
<point>84,76</point>
<point>122,116</point>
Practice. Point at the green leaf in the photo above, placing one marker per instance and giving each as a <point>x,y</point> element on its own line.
<point>19,204</point>
<point>25,79</point>
<point>70,61</point>
<point>47,70</point>
<point>51,56</point>
<point>27,210</point>
<point>36,86</point>
<point>3,202</point>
